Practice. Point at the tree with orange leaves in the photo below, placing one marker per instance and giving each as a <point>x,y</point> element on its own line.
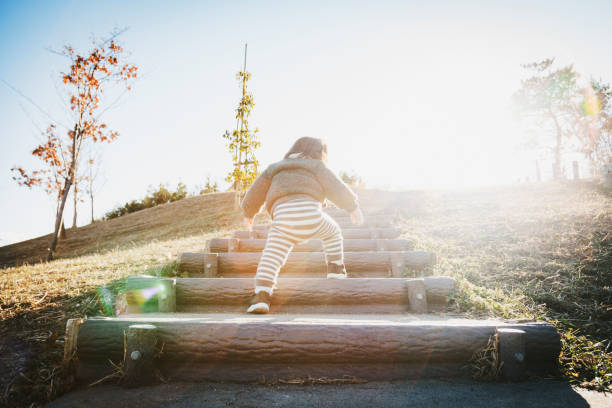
<point>85,81</point>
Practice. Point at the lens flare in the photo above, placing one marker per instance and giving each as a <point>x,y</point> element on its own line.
<point>591,105</point>
<point>143,296</point>
<point>105,297</point>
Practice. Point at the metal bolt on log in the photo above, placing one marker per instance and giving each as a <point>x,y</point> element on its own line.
<point>512,353</point>
<point>141,340</point>
<point>417,297</point>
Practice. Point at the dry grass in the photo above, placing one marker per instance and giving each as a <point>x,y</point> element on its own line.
<point>485,363</point>
<point>36,300</point>
<point>540,252</point>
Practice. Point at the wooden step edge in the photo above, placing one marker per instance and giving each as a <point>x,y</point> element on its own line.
<point>374,233</point>
<point>211,347</point>
<point>221,245</point>
<point>293,295</point>
<point>213,264</point>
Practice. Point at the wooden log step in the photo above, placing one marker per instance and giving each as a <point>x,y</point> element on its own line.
<point>358,264</point>
<point>314,245</point>
<point>375,220</point>
<point>337,213</point>
<point>346,223</point>
<point>298,295</point>
<point>355,233</point>
<point>240,347</point>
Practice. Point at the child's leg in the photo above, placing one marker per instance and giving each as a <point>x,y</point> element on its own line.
<point>272,259</point>
<point>293,222</point>
<point>331,235</point>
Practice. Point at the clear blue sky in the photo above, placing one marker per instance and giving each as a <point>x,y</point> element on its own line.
<point>408,94</point>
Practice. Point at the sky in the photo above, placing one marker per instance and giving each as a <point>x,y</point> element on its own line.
<point>407,94</point>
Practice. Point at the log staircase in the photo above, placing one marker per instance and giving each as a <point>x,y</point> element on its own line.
<point>387,321</point>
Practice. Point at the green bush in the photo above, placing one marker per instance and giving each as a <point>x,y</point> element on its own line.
<point>154,197</point>
<point>209,187</point>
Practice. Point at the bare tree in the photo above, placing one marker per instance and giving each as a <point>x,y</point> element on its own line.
<point>95,179</point>
<point>548,100</point>
<point>85,80</point>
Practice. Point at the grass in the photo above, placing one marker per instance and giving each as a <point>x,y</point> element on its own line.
<point>538,252</point>
<point>37,299</point>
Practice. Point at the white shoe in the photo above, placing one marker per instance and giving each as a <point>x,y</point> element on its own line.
<point>335,271</point>
<point>259,308</point>
<point>260,303</point>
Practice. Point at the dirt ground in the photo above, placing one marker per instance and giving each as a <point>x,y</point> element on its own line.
<point>424,393</point>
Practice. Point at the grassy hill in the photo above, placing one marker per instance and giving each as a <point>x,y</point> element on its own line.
<point>186,217</point>
<point>534,251</point>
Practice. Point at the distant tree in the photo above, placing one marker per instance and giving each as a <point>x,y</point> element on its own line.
<point>209,187</point>
<point>85,80</point>
<point>93,180</point>
<point>79,179</point>
<point>162,195</point>
<point>51,152</point>
<point>596,128</point>
<point>180,193</point>
<point>550,100</point>
<point>351,179</point>
<point>155,196</point>
<point>242,142</point>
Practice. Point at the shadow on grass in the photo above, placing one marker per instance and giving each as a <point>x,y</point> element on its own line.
<point>32,342</point>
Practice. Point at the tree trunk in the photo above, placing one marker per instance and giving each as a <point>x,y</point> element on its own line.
<point>76,193</point>
<point>92,208</point>
<point>59,217</point>
<point>557,163</point>
<point>62,233</point>
<point>557,169</point>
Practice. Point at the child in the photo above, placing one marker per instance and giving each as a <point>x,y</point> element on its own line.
<point>293,190</point>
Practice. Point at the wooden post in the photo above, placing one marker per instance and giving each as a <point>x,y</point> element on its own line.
<point>512,353</point>
<point>575,168</point>
<point>140,355</point>
<point>70,339</point>
<point>211,265</point>
<point>166,297</point>
<point>236,199</point>
<point>607,175</point>
<point>233,245</point>
<point>121,303</point>
<point>398,262</point>
<point>417,295</point>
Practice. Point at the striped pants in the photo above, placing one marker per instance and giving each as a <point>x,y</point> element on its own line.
<point>294,222</point>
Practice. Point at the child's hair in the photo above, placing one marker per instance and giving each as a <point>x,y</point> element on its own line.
<point>309,147</point>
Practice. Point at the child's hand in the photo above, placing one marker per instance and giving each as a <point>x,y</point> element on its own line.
<point>357,217</point>
<point>248,224</point>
